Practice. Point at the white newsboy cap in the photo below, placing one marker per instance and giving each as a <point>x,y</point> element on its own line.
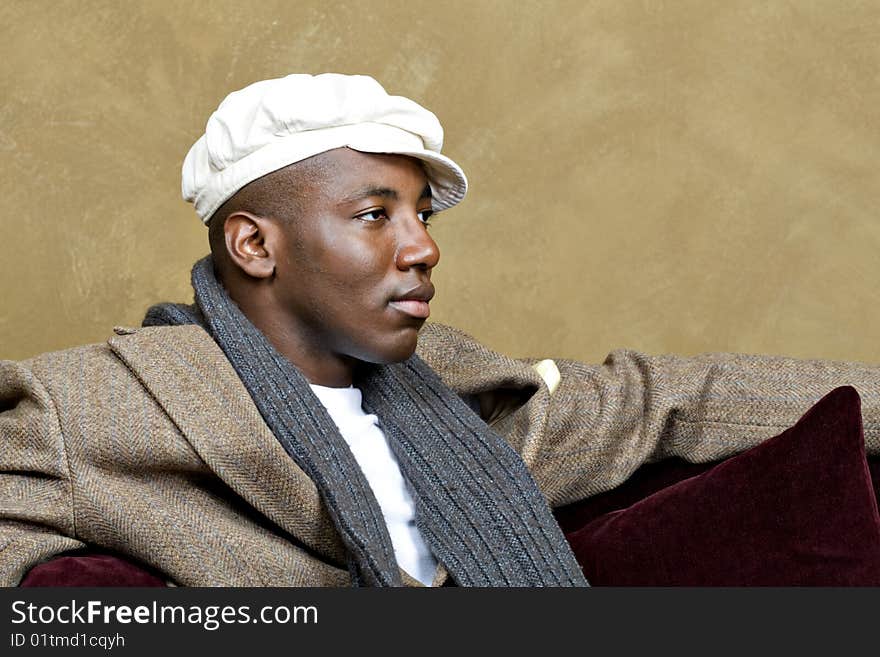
<point>273,123</point>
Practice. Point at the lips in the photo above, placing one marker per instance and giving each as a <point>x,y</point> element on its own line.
<point>414,302</point>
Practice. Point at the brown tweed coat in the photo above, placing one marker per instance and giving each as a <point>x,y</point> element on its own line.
<point>150,446</point>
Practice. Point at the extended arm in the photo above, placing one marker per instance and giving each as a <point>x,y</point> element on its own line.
<point>604,421</point>
<point>36,505</point>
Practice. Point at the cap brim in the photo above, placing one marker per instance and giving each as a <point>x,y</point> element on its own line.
<point>448,182</point>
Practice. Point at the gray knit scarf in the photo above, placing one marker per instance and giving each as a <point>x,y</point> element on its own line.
<point>477,506</point>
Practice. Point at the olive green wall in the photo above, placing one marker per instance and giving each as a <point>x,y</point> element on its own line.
<point>667,176</point>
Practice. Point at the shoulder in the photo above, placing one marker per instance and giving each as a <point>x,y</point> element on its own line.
<point>468,366</point>
<point>99,364</point>
<point>451,351</point>
<point>441,340</point>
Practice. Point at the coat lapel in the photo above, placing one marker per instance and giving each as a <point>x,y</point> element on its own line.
<point>188,374</point>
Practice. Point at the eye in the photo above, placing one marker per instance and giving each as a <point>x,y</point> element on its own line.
<point>372,216</point>
<point>424,217</point>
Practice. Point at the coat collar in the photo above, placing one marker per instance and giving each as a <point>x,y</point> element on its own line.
<point>190,377</point>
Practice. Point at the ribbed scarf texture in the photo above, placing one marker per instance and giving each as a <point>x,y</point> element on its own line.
<point>477,506</point>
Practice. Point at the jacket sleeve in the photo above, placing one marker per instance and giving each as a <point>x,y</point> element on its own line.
<point>36,493</point>
<point>601,422</point>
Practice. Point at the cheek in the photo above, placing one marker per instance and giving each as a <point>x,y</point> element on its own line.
<point>352,264</point>
<point>361,263</point>
<point>355,279</point>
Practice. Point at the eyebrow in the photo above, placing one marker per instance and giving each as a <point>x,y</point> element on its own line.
<point>382,192</point>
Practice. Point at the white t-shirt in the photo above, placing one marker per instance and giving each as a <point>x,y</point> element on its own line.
<point>378,463</point>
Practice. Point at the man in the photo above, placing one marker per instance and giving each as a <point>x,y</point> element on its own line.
<point>281,431</point>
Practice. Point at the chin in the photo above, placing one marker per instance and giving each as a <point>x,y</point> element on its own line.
<point>394,349</point>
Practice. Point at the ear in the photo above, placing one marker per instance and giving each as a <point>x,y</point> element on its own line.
<point>249,240</point>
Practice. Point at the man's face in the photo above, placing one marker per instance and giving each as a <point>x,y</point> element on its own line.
<point>352,276</point>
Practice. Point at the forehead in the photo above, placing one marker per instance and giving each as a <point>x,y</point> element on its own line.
<point>342,173</point>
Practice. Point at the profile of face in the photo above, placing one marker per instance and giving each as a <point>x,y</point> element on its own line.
<point>351,274</point>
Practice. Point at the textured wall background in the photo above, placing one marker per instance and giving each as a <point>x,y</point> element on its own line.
<point>669,176</point>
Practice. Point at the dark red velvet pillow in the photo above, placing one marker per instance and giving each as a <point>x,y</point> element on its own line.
<point>796,510</point>
<point>90,570</point>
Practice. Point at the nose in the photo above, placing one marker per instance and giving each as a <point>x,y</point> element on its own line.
<point>416,248</point>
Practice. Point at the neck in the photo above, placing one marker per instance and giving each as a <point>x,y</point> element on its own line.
<point>306,350</point>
